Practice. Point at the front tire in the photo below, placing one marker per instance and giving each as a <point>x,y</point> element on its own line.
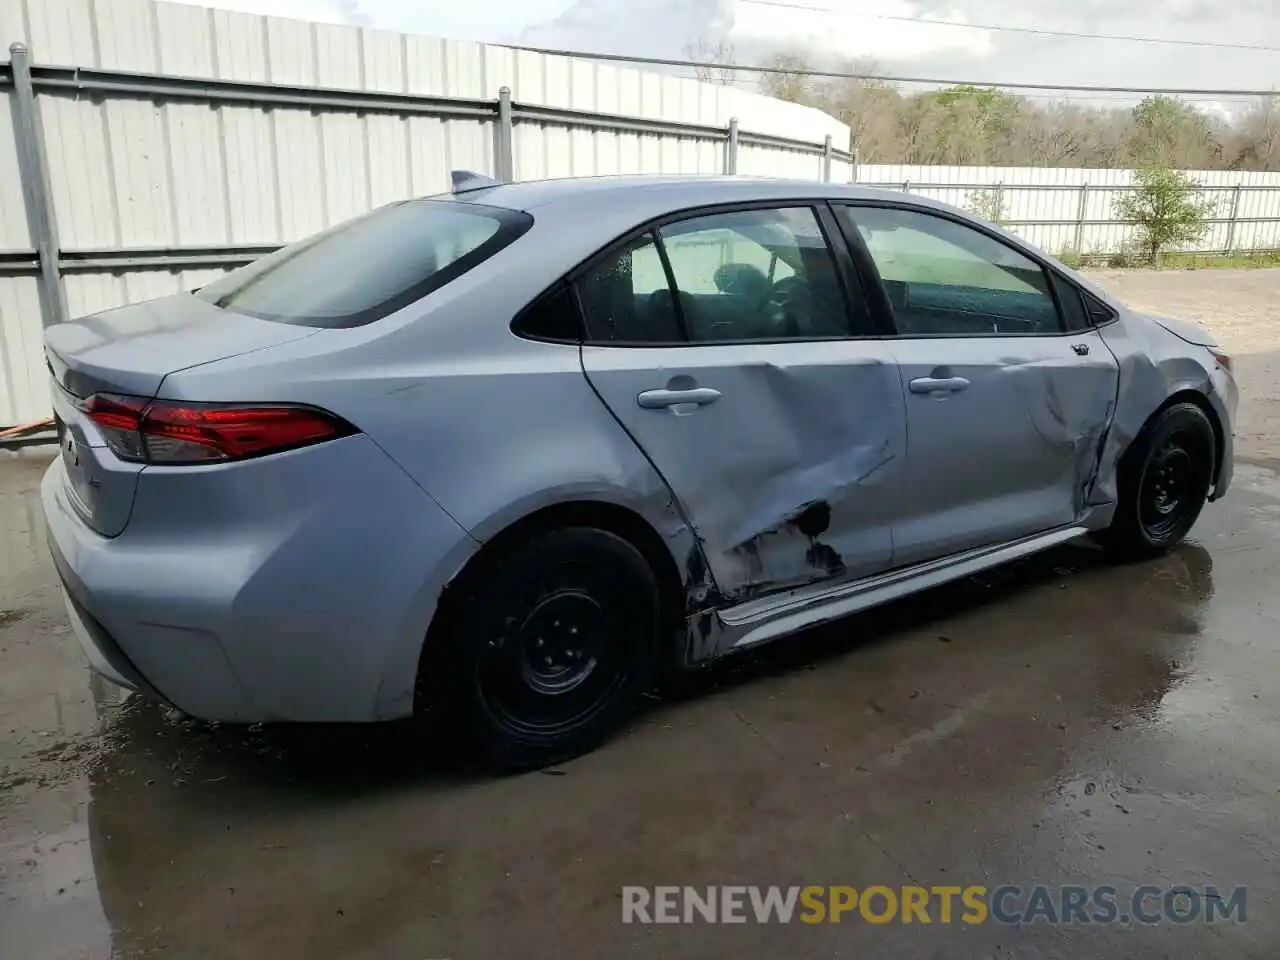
<point>1163,483</point>
<point>554,642</point>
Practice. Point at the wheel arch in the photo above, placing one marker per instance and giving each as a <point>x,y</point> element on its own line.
<point>1198,399</point>
<point>623,521</point>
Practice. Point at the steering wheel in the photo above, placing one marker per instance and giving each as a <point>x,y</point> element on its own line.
<point>788,310</point>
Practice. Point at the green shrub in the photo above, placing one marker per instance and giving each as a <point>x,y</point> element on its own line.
<point>1166,210</point>
<point>1071,257</point>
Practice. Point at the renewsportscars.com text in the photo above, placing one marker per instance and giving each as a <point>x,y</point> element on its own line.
<point>969,905</point>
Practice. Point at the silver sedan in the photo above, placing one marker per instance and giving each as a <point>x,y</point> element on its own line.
<point>499,455</point>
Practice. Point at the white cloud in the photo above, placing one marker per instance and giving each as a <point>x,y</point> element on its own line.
<point>668,27</point>
<point>856,28</point>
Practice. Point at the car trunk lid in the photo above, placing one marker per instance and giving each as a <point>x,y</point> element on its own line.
<point>129,351</point>
<point>1185,330</point>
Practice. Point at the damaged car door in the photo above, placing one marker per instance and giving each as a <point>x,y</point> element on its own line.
<point>727,345</point>
<point>1008,395</point>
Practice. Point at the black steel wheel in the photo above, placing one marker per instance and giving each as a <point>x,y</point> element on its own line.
<point>554,643</point>
<point>1164,481</point>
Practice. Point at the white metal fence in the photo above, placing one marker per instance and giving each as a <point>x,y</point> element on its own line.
<point>1064,208</point>
<point>145,147</point>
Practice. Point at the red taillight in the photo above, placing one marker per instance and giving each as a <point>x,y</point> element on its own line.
<point>166,431</point>
<point>119,419</point>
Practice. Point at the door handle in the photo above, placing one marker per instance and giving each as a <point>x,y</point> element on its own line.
<point>665,398</point>
<point>1081,349</point>
<point>938,384</point>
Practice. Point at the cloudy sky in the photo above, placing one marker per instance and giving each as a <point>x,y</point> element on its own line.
<point>866,28</point>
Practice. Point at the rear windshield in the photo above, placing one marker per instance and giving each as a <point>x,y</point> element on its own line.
<point>368,267</point>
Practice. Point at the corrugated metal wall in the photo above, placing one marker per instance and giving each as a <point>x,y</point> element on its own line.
<point>1043,205</point>
<point>138,173</point>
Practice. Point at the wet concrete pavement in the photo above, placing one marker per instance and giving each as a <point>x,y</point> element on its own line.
<point>1063,721</point>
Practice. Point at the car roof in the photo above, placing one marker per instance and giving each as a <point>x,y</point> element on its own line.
<point>576,217</point>
<point>659,194</point>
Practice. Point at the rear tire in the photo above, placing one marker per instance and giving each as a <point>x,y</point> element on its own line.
<point>550,648</point>
<point>1163,483</point>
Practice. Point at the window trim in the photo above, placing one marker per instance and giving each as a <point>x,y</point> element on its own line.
<point>673,288</point>
<point>867,275</point>
<point>854,238</point>
<point>654,225</point>
<point>1112,313</point>
<point>1056,280</point>
<point>560,286</point>
<point>571,277</point>
<point>858,309</point>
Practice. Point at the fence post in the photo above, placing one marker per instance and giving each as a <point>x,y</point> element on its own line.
<point>503,159</point>
<point>826,159</point>
<point>1231,224</point>
<point>1081,210</point>
<point>33,167</point>
<point>731,148</point>
<point>853,152</point>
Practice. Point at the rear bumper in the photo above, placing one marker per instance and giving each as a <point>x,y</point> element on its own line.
<point>103,653</point>
<point>1224,398</point>
<point>111,607</point>
<point>297,587</point>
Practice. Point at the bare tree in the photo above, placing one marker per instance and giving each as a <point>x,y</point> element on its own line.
<point>789,83</point>
<point>872,109</point>
<point>715,61</point>
<point>1052,136</point>
<point>1255,144</point>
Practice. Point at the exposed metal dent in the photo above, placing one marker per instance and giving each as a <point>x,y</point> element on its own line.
<point>805,524</point>
<point>784,498</point>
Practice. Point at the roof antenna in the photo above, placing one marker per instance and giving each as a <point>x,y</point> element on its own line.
<point>467,180</point>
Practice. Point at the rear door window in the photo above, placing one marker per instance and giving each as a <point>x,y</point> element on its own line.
<point>761,274</point>
<point>366,268</point>
<point>626,298</point>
